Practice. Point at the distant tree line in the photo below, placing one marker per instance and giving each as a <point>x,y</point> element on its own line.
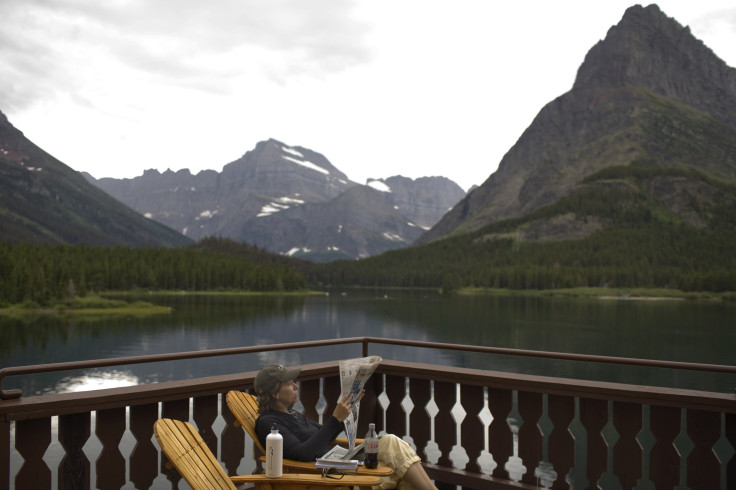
<point>43,273</point>
<point>647,258</point>
<point>641,245</point>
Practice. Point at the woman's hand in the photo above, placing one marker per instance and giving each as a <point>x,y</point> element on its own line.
<point>343,408</point>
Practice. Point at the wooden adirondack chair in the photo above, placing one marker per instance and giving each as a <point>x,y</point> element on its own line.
<point>244,407</point>
<point>189,454</point>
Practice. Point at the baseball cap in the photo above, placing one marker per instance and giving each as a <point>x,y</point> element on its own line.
<point>270,376</point>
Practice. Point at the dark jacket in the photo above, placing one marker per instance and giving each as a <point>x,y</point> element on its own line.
<point>304,440</point>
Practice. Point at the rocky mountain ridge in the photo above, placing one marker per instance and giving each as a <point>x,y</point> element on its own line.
<point>649,94</point>
<point>290,200</point>
<point>43,201</point>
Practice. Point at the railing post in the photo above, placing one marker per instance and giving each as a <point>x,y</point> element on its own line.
<point>110,465</point>
<point>4,455</point>
<point>365,347</point>
<point>74,469</point>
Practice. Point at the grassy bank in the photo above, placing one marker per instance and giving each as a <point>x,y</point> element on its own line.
<point>90,305</point>
<point>652,294</point>
<point>138,293</point>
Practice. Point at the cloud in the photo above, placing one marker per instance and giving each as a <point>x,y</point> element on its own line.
<point>380,87</point>
<point>71,46</point>
<point>720,25</point>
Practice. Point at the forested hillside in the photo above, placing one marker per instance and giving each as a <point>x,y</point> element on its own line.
<point>634,226</point>
<point>40,274</point>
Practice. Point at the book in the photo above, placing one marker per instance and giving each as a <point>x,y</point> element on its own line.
<point>342,465</point>
<point>341,458</point>
<point>339,453</point>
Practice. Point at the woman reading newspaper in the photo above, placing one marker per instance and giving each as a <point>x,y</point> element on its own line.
<point>306,440</point>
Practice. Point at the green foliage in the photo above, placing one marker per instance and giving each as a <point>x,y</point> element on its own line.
<point>654,255</point>
<point>246,251</point>
<point>42,274</point>
<point>642,244</point>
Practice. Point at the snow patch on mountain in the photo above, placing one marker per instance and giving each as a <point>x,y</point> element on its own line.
<point>295,250</point>
<point>292,151</point>
<point>378,185</point>
<point>307,164</point>
<point>206,214</point>
<point>30,169</point>
<point>279,205</point>
<point>393,237</point>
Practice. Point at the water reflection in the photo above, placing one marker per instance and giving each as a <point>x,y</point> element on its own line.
<point>97,380</point>
<point>682,331</point>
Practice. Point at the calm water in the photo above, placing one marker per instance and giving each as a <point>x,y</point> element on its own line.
<point>670,330</point>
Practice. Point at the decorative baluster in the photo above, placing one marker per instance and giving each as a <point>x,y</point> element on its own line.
<point>731,437</point>
<point>370,407</point>
<point>177,410</point>
<point>331,390</point>
<point>664,460</point>
<point>445,433</point>
<point>531,439</point>
<point>471,398</point>
<point>5,454</point>
<point>703,467</point>
<point>233,444</point>
<point>144,458</point>
<point>561,449</point>
<point>309,397</point>
<point>627,453</point>
<point>32,439</point>
<point>500,435</point>
<point>205,413</point>
<point>109,428</point>
<point>594,417</point>
<point>395,416</point>
<point>74,430</point>
<point>420,422</point>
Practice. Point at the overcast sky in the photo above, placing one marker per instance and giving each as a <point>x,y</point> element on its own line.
<point>380,87</point>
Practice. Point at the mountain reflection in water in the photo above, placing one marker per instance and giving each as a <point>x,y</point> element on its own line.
<point>673,330</point>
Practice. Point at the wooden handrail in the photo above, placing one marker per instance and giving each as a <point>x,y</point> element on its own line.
<point>365,341</point>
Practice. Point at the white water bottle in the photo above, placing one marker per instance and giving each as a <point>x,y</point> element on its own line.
<point>274,454</point>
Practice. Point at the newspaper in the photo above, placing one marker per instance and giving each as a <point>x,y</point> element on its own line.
<point>353,375</point>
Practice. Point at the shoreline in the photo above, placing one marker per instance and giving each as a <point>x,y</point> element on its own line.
<point>87,306</point>
<point>608,294</point>
<point>102,304</point>
<point>641,298</point>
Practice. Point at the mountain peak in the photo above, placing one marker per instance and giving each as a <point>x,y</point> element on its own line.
<point>650,94</point>
<point>273,155</point>
<point>651,50</point>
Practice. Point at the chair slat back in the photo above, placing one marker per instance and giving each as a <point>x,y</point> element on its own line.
<point>244,407</point>
<point>189,454</point>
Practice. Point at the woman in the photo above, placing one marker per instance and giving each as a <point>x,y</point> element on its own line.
<point>306,440</point>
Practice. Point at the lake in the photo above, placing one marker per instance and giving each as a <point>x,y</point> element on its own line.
<point>692,331</point>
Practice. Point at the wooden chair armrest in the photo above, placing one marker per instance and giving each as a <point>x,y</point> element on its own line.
<point>343,441</point>
<point>297,480</point>
<point>292,465</point>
